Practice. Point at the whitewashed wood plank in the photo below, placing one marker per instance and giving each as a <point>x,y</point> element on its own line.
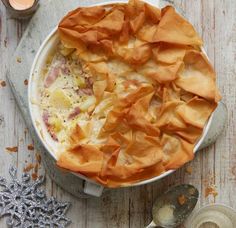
<point>11,122</point>
<point>225,50</point>
<point>207,157</point>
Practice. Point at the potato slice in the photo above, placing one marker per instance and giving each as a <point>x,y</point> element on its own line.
<point>88,102</point>
<point>59,99</point>
<point>80,81</point>
<point>65,51</point>
<point>56,123</point>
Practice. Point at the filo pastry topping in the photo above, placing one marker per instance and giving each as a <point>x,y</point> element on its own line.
<point>154,87</point>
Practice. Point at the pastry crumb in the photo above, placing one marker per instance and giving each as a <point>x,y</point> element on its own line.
<point>34,176</point>
<point>211,190</point>
<point>29,167</point>
<point>38,158</point>
<point>12,149</point>
<point>189,169</point>
<point>18,59</point>
<point>30,147</point>
<point>210,187</point>
<point>26,82</point>
<point>3,83</point>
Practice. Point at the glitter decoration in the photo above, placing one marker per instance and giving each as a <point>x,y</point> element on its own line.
<point>26,204</point>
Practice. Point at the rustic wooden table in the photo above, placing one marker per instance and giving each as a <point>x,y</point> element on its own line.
<point>131,207</point>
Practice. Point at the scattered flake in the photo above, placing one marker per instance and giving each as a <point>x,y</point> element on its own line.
<point>189,169</point>
<point>38,158</point>
<point>26,82</point>
<point>18,59</point>
<point>2,83</point>
<point>34,176</point>
<point>26,204</point>
<point>30,147</point>
<point>12,149</point>
<point>29,167</point>
<point>182,200</point>
<point>211,190</point>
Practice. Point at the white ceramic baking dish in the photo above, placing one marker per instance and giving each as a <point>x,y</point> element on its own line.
<point>47,47</point>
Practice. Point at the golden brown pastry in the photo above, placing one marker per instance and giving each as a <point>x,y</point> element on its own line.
<point>161,87</point>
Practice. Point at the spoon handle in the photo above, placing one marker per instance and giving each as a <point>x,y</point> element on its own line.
<point>151,225</point>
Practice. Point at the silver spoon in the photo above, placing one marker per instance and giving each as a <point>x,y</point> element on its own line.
<point>174,206</point>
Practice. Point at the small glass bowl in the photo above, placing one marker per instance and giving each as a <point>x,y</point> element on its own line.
<point>218,214</point>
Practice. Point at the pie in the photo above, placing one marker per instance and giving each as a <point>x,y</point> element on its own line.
<point>127,93</point>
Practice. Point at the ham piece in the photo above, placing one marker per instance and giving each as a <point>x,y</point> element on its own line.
<point>75,112</point>
<point>58,64</point>
<point>45,117</point>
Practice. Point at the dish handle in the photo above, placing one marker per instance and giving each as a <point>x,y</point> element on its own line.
<point>93,189</point>
<point>218,124</point>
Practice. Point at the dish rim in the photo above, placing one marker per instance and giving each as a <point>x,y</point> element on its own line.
<point>52,35</point>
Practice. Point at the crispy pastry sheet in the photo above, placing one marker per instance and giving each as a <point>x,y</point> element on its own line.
<point>154,127</point>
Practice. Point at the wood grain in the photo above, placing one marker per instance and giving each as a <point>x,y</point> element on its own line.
<point>131,207</point>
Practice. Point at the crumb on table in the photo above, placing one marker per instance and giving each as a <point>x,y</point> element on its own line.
<point>18,59</point>
<point>34,176</point>
<point>30,147</point>
<point>29,167</point>
<point>3,83</point>
<point>26,82</point>
<point>211,190</point>
<point>189,169</point>
<point>12,149</point>
<point>38,158</point>
<point>36,168</point>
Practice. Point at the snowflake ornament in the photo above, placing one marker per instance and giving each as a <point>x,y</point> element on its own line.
<point>26,205</point>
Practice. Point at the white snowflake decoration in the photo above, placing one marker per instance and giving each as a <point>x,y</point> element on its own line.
<point>27,205</point>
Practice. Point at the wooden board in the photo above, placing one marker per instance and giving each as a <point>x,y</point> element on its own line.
<point>130,207</point>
